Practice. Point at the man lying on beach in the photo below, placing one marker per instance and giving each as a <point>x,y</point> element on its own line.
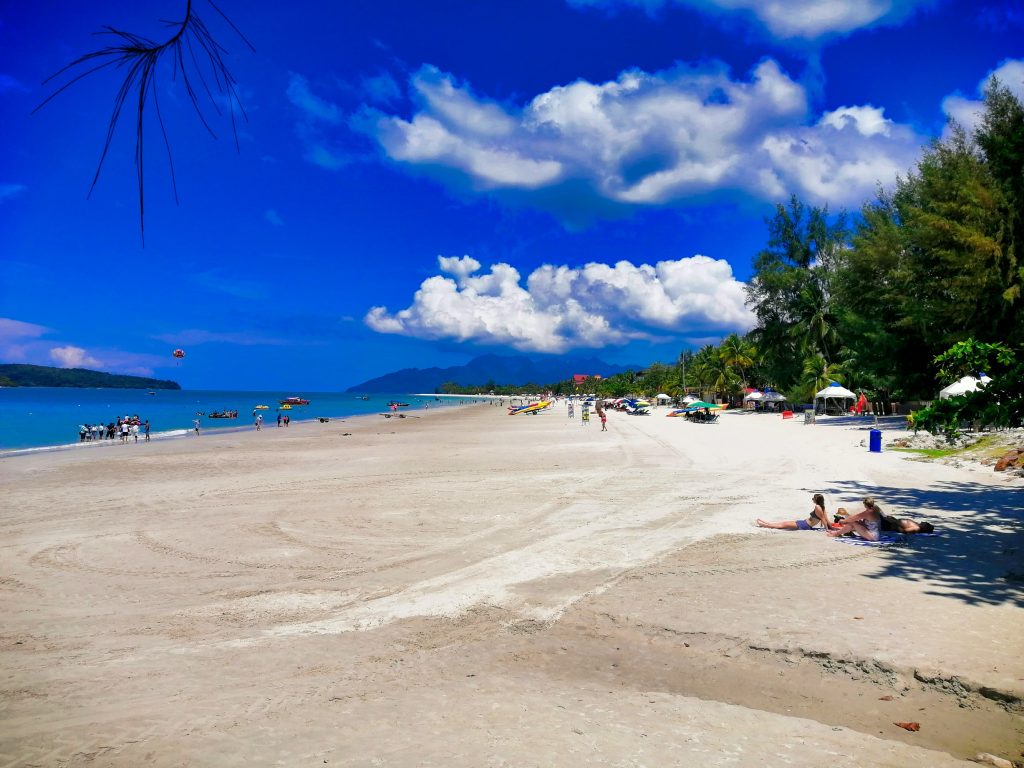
<point>818,516</point>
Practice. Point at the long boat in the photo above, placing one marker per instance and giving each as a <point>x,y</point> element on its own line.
<point>222,415</point>
<point>530,408</point>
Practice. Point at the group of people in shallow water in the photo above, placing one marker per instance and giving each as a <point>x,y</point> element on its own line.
<point>868,524</point>
<point>125,428</point>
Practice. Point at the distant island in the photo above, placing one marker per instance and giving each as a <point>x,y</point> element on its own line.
<point>17,375</point>
<point>491,371</point>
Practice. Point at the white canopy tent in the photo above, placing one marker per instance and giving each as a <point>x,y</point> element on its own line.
<point>690,399</point>
<point>662,396</point>
<point>964,385</point>
<point>771,396</point>
<point>834,391</point>
<point>752,396</point>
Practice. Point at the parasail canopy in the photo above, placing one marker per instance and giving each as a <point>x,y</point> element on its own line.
<point>179,353</point>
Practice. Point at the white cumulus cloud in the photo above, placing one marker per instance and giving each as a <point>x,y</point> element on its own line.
<point>806,19</point>
<point>967,112</point>
<point>562,307</point>
<point>73,357</point>
<point>648,139</point>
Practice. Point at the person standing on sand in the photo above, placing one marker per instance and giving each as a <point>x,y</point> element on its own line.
<point>818,515</point>
<point>146,429</point>
<point>259,422</point>
<point>195,423</point>
<point>604,420</point>
<point>279,420</point>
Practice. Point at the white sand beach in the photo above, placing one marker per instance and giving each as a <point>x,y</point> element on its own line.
<point>467,588</point>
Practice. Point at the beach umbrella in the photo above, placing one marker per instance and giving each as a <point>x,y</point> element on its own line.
<point>771,396</point>
<point>690,399</point>
<point>698,404</point>
<point>962,386</point>
<point>755,395</point>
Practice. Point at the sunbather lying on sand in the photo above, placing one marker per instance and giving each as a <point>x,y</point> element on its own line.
<point>818,516</point>
<point>905,525</point>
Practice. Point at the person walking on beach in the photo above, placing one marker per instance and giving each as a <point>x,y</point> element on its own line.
<point>279,420</point>
<point>259,422</point>
<point>195,423</point>
<point>145,428</point>
<point>604,420</point>
<point>817,516</point>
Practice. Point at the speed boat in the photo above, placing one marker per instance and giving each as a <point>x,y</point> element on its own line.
<point>294,401</point>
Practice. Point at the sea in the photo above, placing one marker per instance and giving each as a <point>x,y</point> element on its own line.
<point>34,418</point>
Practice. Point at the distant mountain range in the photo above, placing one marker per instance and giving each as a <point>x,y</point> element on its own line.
<point>18,375</point>
<point>503,370</point>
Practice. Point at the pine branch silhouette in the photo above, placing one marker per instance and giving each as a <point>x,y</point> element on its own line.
<point>140,57</point>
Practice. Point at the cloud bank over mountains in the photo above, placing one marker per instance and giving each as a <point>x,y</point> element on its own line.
<point>562,308</point>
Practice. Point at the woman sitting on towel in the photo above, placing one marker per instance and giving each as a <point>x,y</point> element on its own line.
<point>866,524</point>
<point>818,516</point>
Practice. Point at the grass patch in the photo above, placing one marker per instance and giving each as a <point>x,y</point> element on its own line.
<point>988,446</point>
<point>931,453</point>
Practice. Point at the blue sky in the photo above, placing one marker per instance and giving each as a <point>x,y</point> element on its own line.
<point>419,183</point>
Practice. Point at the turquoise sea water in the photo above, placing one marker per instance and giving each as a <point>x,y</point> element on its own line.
<point>36,417</point>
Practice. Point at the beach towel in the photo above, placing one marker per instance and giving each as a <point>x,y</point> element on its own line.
<point>885,540</point>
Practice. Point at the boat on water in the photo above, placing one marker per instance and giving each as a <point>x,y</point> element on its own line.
<point>222,415</point>
<point>398,404</point>
<point>151,392</point>
<point>294,401</point>
<point>285,407</point>
<point>262,408</point>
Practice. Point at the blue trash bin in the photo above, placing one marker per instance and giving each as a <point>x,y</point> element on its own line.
<point>875,441</point>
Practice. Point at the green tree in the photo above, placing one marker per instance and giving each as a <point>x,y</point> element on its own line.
<point>739,354</point>
<point>1000,137</point>
<point>791,290</point>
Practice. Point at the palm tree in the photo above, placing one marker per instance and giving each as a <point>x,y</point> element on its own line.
<point>739,354</point>
<point>818,373</point>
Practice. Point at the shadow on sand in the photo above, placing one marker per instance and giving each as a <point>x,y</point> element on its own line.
<point>978,554</point>
<point>886,423</point>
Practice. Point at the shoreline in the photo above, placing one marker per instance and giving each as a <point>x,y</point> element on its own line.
<point>183,433</point>
<point>496,582</point>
